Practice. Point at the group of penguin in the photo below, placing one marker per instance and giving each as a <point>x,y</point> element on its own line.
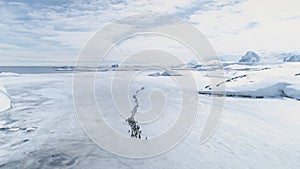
<point>135,128</point>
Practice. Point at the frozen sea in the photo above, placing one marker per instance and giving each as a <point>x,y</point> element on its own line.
<point>41,129</point>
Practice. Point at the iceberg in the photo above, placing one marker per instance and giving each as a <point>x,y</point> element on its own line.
<point>291,57</point>
<point>164,73</point>
<point>250,57</point>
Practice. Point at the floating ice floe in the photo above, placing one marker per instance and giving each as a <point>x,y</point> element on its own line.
<point>9,74</point>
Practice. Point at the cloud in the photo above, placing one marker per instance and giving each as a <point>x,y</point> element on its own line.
<point>56,30</point>
<point>253,24</point>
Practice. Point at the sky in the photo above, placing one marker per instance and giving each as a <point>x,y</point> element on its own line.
<point>53,32</point>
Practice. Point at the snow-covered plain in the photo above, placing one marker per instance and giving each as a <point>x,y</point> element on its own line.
<point>42,130</point>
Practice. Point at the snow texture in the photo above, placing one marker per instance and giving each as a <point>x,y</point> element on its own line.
<point>42,129</point>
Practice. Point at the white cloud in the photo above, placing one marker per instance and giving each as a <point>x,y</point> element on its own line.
<point>276,26</point>
<point>45,30</point>
<point>57,30</point>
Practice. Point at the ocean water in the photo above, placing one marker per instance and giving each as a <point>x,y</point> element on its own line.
<point>36,69</point>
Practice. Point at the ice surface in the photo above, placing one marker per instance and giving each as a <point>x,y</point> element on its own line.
<point>42,129</point>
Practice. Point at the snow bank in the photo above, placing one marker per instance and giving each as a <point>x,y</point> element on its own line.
<point>275,91</point>
<point>5,102</point>
<point>273,81</point>
<point>250,57</point>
